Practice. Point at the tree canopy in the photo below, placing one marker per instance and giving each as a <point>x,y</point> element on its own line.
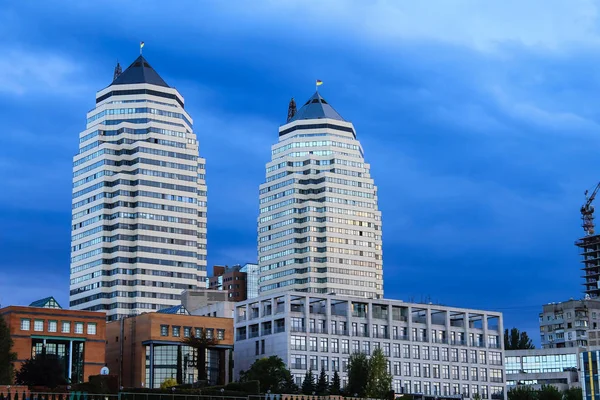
<point>336,386</point>
<point>358,375</point>
<point>322,384</point>
<point>272,374</point>
<point>308,384</point>
<point>200,344</point>
<point>516,340</point>
<point>7,357</point>
<point>380,381</point>
<point>43,370</point>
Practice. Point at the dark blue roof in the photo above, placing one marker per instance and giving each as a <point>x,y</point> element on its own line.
<point>315,108</point>
<point>42,303</point>
<point>139,72</point>
<point>180,309</point>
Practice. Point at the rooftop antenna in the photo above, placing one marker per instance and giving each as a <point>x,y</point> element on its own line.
<point>291,109</point>
<point>118,71</point>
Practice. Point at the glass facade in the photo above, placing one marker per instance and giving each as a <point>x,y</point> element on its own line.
<point>60,349</point>
<point>541,363</point>
<point>590,384</point>
<point>162,363</point>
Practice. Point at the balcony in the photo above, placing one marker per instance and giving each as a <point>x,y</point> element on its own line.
<point>298,366</point>
<point>280,309</point>
<point>442,341</point>
<point>298,329</point>
<point>496,380</point>
<point>279,329</point>
<point>318,330</point>
<point>494,346</point>
<point>359,314</point>
<point>400,337</point>
<point>457,342</point>
<point>253,334</point>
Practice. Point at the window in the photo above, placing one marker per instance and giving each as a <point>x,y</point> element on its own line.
<point>79,328</point>
<point>312,343</point>
<point>425,352</point>
<point>164,330</point>
<point>335,346</point>
<point>176,331</point>
<point>345,346</point>
<point>298,343</point>
<point>406,351</point>
<point>482,357</point>
<point>415,352</point>
<point>324,345</point>
<point>66,327</point>
<point>257,348</point>
<point>416,370</point>
<point>314,363</point>
<point>210,333</point>
<point>221,334</point>
<point>454,354</point>
<point>445,354</point>
<point>464,356</point>
<point>187,331</point>
<point>197,332</point>
<point>25,324</point>
<point>406,369</point>
<point>52,326</point>
<point>38,325</point>
<point>91,328</point>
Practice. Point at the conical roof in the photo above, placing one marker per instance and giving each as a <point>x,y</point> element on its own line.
<point>139,72</point>
<point>315,108</point>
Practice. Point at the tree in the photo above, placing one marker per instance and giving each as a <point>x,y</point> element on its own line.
<point>336,388</point>
<point>573,394</point>
<point>516,340</point>
<point>168,383</point>
<point>549,392</point>
<point>272,374</point>
<point>7,357</point>
<point>43,370</point>
<point>322,385</point>
<point>308,384</point>
<point>201,344</point>
<point>522,393</point>
<point>358,375</point>
<point>379,379</point>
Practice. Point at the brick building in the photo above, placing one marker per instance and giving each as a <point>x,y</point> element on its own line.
<point>144,349</point>
<point>77,338</point>
<point>241,282</point>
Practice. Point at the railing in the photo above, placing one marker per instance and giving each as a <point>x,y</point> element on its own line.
<point>253,334</point>
<point>400,337</point>
<point>279,329</point>
<point>240,337</point>
<point>298,329</point>
<point>298,366</point>
<point>443,341</point>
<point>494,345</point>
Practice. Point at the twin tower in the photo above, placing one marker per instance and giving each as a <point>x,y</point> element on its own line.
<point>139,230</point>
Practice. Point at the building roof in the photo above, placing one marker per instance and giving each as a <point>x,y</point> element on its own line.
<point>315,108</point>
<point>139,71</point>
<point>47,302</point>
<point>180,309</point>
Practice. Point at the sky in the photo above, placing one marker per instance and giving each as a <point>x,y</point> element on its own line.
<point>479,119</point>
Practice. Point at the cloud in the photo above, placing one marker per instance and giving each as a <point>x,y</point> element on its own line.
<point>31,71</point>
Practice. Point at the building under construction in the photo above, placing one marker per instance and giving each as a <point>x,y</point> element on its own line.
<point>590,247</point>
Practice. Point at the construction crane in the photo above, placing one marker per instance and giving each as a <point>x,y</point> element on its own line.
<point>587,211</point>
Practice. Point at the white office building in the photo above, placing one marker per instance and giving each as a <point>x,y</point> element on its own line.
<point>139,199</point>
<point>319,227</point>
<point>433,350</point>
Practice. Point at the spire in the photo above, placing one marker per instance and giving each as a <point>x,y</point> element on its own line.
<point>316,108</point>
<point>139,72</point>
<point>117,71</point>
<point>291,109</point>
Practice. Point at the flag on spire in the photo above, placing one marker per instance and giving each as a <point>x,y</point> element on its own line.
<point>319,82</point>
<point>141,47</point>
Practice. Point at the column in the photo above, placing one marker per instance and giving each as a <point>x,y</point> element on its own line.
<point>428,324</point>
<point>306,313</point>
<point>151,383</point>
<point>409,320</point>
<point>328,316</point>
<point>70,372</point>
<point>390,321</point>
<point>485,330</point>
<point>222,378</point>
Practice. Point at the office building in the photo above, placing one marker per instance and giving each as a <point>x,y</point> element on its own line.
<point>76,338</point>
<point>535,368</point>
<point>139,199</point>
<point>590,384</point>
<point>147,349</point>
<point>240,282</point>
<point>319,226</point>
<point>566,324</point>
<point>198,298</point>
<point>433,350</point>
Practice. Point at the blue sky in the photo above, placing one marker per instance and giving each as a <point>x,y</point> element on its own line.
<point>479,119</point>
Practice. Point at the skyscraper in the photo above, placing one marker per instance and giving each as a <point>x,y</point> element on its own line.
<point>139,199</point>
<point>319,227</point>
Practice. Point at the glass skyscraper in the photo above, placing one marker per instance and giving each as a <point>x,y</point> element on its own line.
<point>139,199</point>
<point>319,227</point>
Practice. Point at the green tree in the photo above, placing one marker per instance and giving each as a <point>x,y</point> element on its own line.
<point>322,385</point>
<point>379,380</point>
<point>201,344</point>
<point>168,383</point>
<point>272,374</point>
<point>358,375</point>
<point>7,357</point>
<point>549,392</point>
<point>308,384</point>
<point>573,394</point>
<point>336,387</point>
<point>522,393</point>
<point>43,370</point>
<point>515,340</point>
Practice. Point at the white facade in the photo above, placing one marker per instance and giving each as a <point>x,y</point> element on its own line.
<point>319,227</point>
<point>432,350</point>
<point>139,199</point>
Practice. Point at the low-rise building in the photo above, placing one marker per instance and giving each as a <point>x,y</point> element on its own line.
<point>566,324</point>
<point>558,367</point>
<point>76,338</point>
<point>433,350</point>
<point>147,349</point>
<point>194,299</point>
